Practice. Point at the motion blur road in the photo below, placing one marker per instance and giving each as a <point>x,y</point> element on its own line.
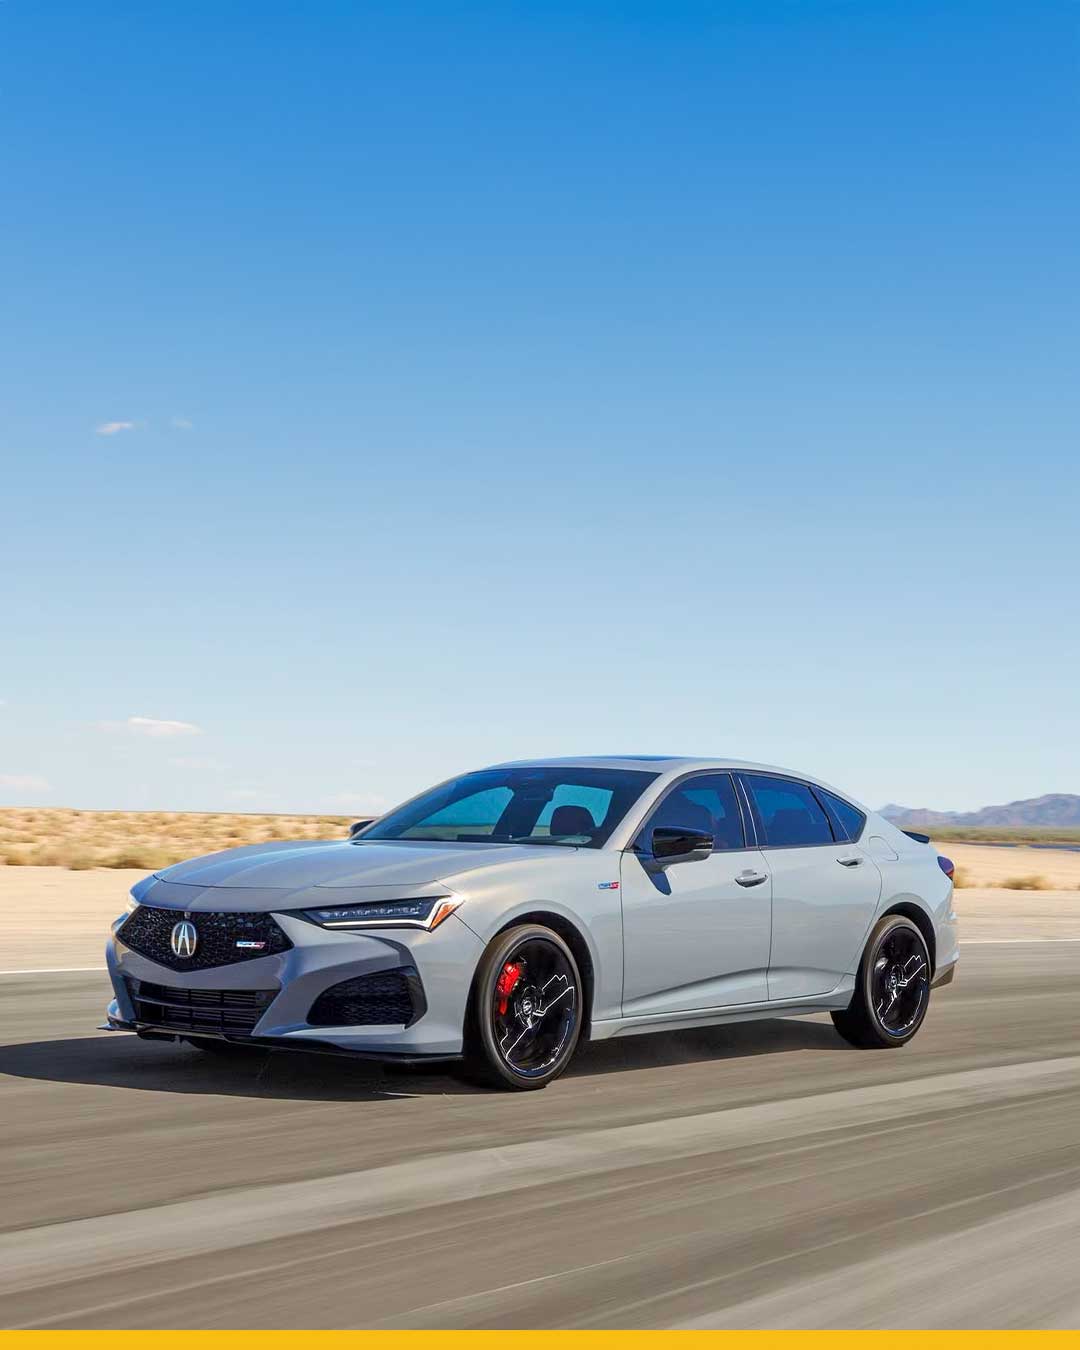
<point>758,1175</point>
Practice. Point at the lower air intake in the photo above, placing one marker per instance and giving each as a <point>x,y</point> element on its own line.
<point>385,998</point>
<point>230,1012</point>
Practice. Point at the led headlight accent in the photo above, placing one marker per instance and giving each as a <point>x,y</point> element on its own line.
<point>426,911</point>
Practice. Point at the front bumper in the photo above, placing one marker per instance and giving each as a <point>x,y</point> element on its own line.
<point>288,985</point>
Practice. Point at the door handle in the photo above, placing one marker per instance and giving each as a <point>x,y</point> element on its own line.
<point>751,878</point>
<point>850,861</point>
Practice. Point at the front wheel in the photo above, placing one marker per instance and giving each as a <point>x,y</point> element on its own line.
<point>526,1009</point>
<point>892,989</point>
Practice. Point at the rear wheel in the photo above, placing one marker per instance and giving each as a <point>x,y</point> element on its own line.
<point>526,1008</point>
<point>892,989</point>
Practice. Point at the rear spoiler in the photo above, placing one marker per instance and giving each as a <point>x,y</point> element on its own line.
<point>919,838</point>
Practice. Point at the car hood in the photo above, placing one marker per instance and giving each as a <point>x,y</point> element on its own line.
<point>276,876</point>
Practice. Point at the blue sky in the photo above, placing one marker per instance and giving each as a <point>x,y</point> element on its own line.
<point>387,389</point>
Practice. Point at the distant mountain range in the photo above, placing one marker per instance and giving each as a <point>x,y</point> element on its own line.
<point>1055,809</point>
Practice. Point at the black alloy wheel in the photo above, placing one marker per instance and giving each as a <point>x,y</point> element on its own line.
<point>526,1009</point>
<point>900,980</point>
<point>892,989</point>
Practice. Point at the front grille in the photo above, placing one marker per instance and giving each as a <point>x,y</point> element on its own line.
<point>149,931</point>
<point>231,1011</point>
<point>385,998</point>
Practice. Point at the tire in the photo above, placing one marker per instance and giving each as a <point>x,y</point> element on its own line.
<point>892,988</point>
<point>525,1010</point>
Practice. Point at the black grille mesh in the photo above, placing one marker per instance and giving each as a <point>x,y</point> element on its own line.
<point>230,1011</point>
<point>385,998</point>
<point>149,930</point>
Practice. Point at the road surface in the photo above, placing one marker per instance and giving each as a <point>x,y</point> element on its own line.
<point>757,1175</point>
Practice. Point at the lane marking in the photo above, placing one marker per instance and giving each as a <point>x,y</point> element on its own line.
<point>57,970</point>
<point>952,1273</point>
<point>126,1240</point>
<point>598,1189</point>
<point>1011,942</point>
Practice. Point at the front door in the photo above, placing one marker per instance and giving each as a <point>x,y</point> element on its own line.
<point>825,892</point>
<point>696,934</point>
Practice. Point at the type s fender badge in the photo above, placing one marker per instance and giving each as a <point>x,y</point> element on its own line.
<point>607,885</point>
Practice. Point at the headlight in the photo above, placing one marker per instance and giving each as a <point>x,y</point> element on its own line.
<point>427,911</point>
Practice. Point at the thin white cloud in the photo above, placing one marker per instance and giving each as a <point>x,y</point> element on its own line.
<point>111,428</point>
<point>182,424</point>
<point>23,782</point>
<point>197,762</point>
<point>153,726</point>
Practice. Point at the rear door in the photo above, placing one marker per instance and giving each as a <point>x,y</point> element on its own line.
<point>825,888</point>
<point>696,934</point>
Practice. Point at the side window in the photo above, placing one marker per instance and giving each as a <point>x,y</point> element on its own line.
<point>848,820</point>
<point>789,813</point>
<point>708,803</point>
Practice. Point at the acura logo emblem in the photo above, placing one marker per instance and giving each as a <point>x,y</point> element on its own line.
<point>184,938</point>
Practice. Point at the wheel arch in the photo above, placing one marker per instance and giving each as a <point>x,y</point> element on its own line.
<point>922,921</point>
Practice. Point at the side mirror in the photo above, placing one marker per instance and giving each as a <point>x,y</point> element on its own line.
<point>358,825</point>
<point>676,844</point>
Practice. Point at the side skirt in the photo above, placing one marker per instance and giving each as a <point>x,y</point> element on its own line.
<point>608,1028</point>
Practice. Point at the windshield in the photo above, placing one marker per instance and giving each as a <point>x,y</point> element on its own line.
<point>575,807</point>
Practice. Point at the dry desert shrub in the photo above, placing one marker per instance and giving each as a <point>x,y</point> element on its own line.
<point>146,840</point>
<point>1031,882</point>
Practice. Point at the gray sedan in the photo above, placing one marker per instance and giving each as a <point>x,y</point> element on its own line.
<point>504,915</point>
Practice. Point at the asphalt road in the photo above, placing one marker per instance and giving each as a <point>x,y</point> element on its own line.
<point>758,1175</point>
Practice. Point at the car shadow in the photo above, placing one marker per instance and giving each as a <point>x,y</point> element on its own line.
<point>120,1060</point>
<point>736,1040</point>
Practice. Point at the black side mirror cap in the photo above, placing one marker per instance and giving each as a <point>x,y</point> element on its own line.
<point>675,843</point>
<point>358,825</point>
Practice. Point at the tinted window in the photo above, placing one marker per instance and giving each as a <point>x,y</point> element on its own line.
<point>847,820</point>
<point>594,801</point>
<point>522,804</point>
<point>788,812</point>
<point>704,803</point>
<point>478,813</point>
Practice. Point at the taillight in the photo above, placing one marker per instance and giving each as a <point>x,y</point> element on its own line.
<point>946,865</point>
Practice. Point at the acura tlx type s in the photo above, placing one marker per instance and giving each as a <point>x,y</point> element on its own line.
<point>503,916</point>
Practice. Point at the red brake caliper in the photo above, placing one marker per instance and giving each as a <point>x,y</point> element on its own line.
<point>508,979</point>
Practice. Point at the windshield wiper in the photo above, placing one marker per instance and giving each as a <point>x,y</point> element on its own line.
<point>540,839</point>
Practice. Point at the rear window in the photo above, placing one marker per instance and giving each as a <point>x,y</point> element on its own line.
<point>788,812</point>
<point>847,820</point>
